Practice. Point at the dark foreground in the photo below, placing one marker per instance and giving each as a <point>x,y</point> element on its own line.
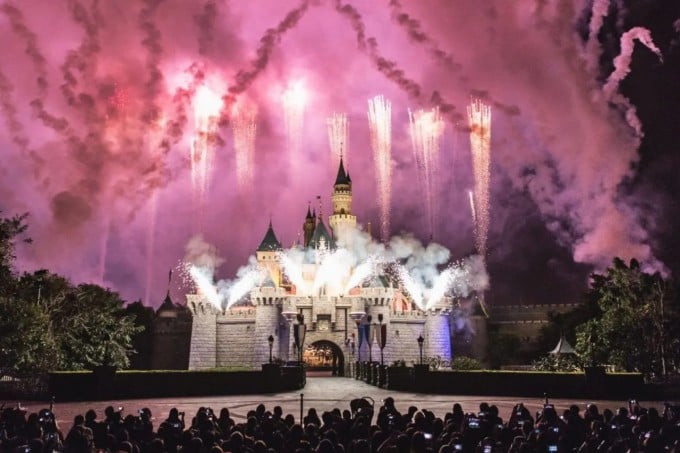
<point>322,393</point>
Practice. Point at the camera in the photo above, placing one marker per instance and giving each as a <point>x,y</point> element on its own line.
<point>556,429</point>
<point>458,447</point>
<point>473,423</point>
<point>552,448</point>
<point>487,448</point>
<point>176,425</point>
<point>427,436</point>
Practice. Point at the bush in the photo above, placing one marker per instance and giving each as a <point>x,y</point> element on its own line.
<point>465,363</point>
<point>558,362</point>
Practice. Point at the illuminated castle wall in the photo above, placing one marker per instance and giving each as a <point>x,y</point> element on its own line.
<point>238,336</point>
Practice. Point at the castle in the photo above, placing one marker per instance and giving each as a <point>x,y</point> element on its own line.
<point>239,335</point>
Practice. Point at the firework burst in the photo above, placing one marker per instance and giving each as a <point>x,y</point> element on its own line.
<point>244,128</point>
<point>338,137</point>
<point>479,120</point>
<point>426,129</point>
<point>380,124</point>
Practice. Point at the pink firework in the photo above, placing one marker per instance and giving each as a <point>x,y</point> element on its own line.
<point>426,128</point>
<point>380,124</point>
<point>479,120</point>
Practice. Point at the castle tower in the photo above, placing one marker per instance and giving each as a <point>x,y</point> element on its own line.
<point>308,227</point>
<point>342,203</point>
<point>267,255</point>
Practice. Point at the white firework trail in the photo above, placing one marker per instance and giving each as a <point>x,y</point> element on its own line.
<point>479,120</point>
<point>426,129</point>
<point>380,124</point>
<point>471,199</point>
<point>338,138</point>
<point>206,106</point>
<point>294,101</point>
<point>203,279</point>
<point>244,129</point>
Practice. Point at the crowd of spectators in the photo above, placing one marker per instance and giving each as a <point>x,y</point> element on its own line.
<point>359,429</point>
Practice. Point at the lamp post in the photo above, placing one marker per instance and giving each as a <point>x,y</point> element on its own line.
<point>271,345</point>
<point>299,331</point>
<point>382,337</point>
<point>369,338</point>
<point>420,346</point>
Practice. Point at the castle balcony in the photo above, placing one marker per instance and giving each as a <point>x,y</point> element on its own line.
<point>416,315</point>
<point>237,314</point>
<point>378,296</point>
<point>267,295</point>
<point>199,305</point>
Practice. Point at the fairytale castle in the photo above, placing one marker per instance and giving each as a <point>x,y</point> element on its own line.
<point>239,336</point>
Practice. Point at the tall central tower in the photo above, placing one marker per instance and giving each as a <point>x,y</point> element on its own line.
<point>341,199</point>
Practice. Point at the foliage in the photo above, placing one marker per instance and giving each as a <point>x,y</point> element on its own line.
<point>635,323</point>
<point>10,229</point>
<point>399,363</point>
<point>503,349</point>
<point>141,341</point>
<point>465,363</point>
<point>558,362</point>
<point>27,345</point>
<point>47,323</point>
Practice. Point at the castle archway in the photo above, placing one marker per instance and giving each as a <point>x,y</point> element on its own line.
<point>324,355</point>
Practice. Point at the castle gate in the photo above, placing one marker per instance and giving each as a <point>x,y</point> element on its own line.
<point>324,355</point>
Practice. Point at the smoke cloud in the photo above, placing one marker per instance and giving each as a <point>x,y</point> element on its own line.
<point>99,96</point>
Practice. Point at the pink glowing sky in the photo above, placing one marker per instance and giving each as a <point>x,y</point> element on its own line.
<point>82,85</point>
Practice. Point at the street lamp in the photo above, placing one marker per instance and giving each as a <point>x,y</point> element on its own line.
<point>271,345</point>
<point>420,345</point>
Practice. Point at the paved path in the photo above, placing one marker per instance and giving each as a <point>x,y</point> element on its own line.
<point>323,393</point>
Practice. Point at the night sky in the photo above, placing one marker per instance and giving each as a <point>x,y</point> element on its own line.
<point>96,121</point>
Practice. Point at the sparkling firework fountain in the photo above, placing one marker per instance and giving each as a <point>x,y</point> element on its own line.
<point>426,129</point>
<point>479,120</point>
<point>206,106</point>
<point>244,128</point>
<point>380,124</point>
<point>294,101</point>
<point>338,138</point>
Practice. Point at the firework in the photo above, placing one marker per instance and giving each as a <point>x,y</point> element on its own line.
<point>244,127</point>
<point>207,106</point>
<point>479,120</point>
<point>294,101</point>
<point>471,199</point>
<point>338,137</point>
<point>380,124</point>
<point>426,129</point>
<point>202,278</point>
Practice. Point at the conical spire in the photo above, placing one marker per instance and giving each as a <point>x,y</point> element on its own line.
<point>269,243</point>
<point>343,177</point>
<point>309,211</point>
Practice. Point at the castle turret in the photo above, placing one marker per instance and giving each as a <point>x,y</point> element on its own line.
<point>267,255</point>
<point>308,227</point>
<point>341,199</point>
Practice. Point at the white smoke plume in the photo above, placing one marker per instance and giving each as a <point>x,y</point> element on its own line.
<point>202,261</point>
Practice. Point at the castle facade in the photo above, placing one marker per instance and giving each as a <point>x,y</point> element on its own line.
<point>239,336</point>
